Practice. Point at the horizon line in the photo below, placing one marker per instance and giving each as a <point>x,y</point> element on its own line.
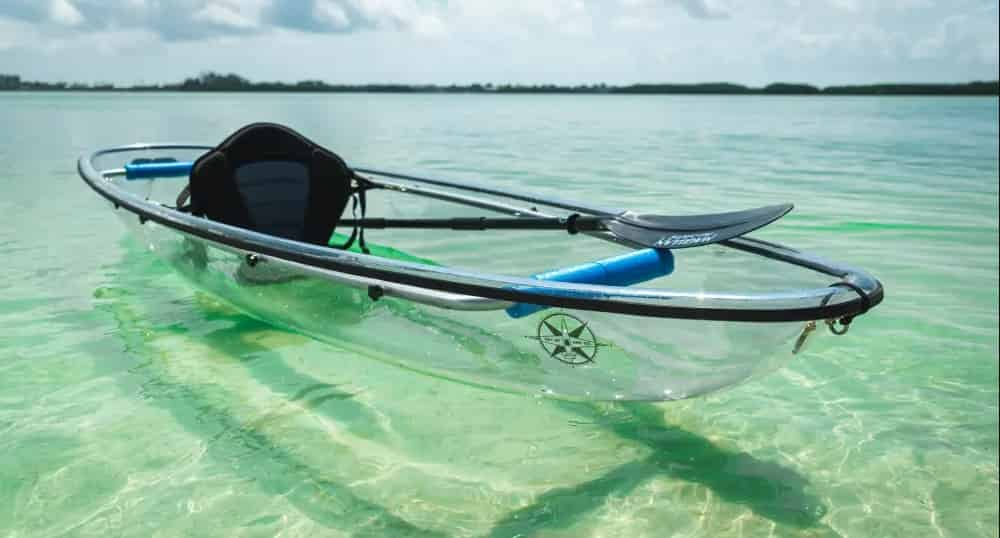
<point>217,82</point>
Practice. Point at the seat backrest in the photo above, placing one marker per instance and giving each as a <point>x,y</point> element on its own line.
<point>268,178</point>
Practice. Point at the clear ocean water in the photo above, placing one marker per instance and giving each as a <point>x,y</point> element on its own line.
<point>132,405</point>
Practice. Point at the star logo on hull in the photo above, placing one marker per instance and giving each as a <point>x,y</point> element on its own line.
<point>567,339</point>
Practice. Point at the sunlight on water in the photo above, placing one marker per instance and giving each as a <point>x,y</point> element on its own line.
<point>131,404</point>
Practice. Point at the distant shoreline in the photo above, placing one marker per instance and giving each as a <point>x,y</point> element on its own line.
<point>214,82</point>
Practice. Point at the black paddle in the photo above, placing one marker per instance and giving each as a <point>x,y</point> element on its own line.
<point>654,231</point>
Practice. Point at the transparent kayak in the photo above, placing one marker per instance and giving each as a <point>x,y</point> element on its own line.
<point>481,307</point>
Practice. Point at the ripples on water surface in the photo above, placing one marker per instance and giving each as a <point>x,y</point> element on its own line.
<point>131,404</point>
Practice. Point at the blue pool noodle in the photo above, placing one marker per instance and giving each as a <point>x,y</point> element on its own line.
<point>149,170</point>
<point>625,270</point>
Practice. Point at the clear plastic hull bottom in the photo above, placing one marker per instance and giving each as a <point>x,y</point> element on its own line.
<point>556,352</point>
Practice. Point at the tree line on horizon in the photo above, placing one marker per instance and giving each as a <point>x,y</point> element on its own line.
<point>217,82</point>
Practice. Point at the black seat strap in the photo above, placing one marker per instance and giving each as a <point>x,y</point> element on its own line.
<point>182,199</point>
<point>354,232</point>
<point>358,232</point>
<point>361,231</point>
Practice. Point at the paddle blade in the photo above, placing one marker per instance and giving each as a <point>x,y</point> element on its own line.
<point>661,231</point>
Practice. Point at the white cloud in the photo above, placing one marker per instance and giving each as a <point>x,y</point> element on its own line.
<point>430,26</point>
<point>960,37</point>
<point>226,14</point>
<point>632,23</point>
<point>65,13</point>
<point>531,41</point>
<point>331,13</point>
<point>706,9</point>
<point>848,5</point>
<point>14,34</point>
<point>520,19</point>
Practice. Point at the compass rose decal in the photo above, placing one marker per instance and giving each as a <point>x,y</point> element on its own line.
<point>567,339</point>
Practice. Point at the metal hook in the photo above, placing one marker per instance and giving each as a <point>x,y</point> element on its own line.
<point>845,324</point>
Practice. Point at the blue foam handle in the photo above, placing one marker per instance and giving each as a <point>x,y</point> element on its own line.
<point>152,169</point>
<point>625,270</point>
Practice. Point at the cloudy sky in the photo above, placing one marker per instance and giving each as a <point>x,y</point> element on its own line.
<point>522,41</point>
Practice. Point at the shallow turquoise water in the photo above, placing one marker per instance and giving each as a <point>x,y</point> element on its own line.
<point>130,404</point>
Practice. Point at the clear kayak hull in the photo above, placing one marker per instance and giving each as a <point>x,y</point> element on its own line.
<point>443,306</point>
<point>556,352</point>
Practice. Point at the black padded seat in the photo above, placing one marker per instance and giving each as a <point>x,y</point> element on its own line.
<point>268,178</point>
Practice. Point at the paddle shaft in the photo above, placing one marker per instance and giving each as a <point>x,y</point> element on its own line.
<point>579,224</point>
